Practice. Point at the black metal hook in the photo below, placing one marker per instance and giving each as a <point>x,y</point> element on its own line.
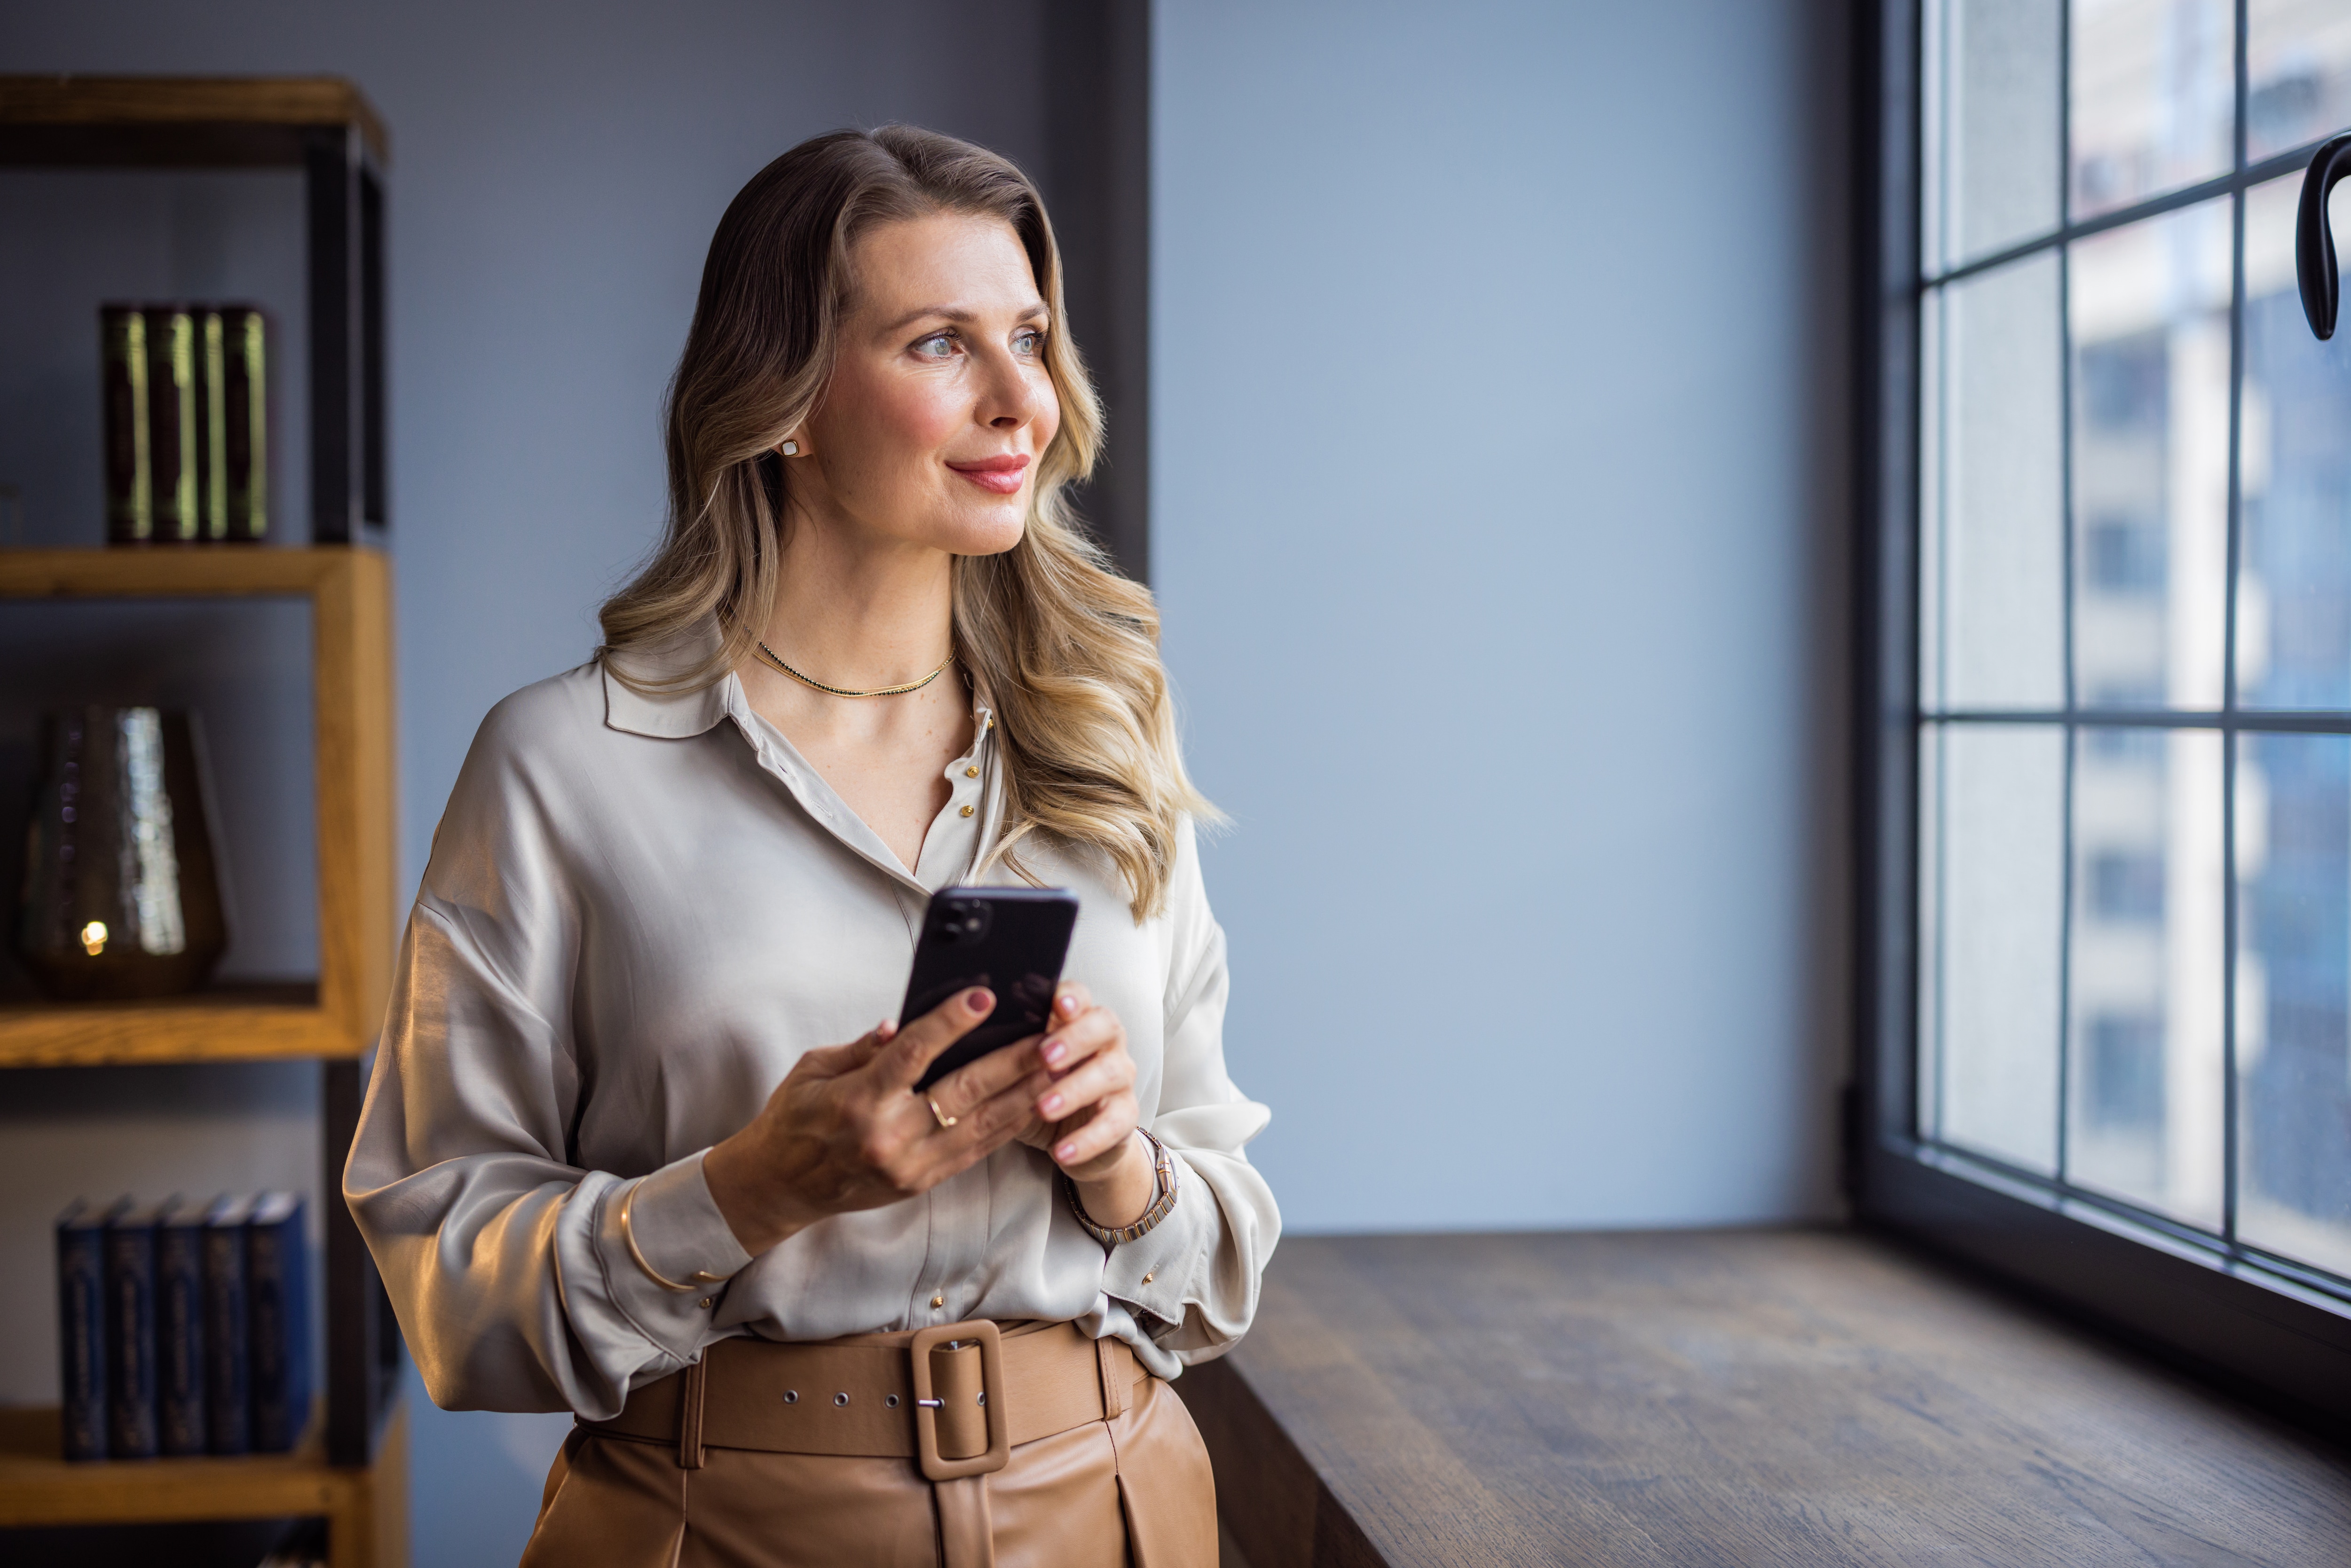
<point>2314,244</point>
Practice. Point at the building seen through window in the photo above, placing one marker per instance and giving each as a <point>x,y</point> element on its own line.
<point>2135,825</point>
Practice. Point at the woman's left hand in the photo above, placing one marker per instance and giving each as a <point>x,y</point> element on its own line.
<point>1086,1118</point>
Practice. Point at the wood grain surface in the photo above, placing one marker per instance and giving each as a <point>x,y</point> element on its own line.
<point>1736,1398</point>
<point>146,571</point>
<point>223,1023</point>
<point>350,634</point>
<point>106,100</point>
<point>366,1509</point>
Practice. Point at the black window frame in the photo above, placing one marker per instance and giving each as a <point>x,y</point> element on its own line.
<point>2220,1311</point>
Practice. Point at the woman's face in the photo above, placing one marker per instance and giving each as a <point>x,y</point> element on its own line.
<point>939,408</point>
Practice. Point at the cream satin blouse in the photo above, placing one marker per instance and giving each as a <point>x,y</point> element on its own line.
<point>638,914</point>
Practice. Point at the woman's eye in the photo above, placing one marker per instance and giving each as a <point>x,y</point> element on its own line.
<point>1029,341</point>
<point>937,346</point>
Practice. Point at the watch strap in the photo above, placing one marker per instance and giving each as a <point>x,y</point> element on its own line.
<point>1163,1171</point>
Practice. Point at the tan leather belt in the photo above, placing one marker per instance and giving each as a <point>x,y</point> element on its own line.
<point>957,1399</point>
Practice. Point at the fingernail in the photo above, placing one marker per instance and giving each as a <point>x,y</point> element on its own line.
<point>1054,1050</point>
<point>1049,1106</point>
<point>1069,1005</point>
<point>1066,1151</point>
<point>978,1000</point>
<point>885,1029</point>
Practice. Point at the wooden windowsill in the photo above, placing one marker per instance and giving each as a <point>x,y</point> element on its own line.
<point>1782,1397</point>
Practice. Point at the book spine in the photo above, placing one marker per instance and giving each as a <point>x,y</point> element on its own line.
<point>171,423</point>
<point>131,1341</point>
<point>228,1394</point>
<point>81,1339</point>
<point>180,1340</point>
<point>129,492</point>
<point>277,1289</point>
<point>297,1331</point>
<point>246,420</point>
<point>211,425</point>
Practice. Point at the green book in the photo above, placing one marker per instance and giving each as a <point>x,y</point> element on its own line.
<point>212,426</point>
<point>130,485</point>
<point>244,439</point>
<point>173,445</point>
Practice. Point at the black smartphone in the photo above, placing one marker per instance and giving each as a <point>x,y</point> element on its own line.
<point>1012,940</point>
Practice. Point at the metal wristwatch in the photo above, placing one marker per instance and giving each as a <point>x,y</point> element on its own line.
<point>1162,1170</point>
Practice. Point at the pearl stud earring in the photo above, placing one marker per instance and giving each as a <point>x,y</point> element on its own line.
<point>790,449</point>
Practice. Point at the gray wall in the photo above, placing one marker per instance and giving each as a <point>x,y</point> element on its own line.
<point>1496,521</point>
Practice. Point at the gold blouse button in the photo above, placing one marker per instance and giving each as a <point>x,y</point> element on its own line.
<point>938,1300</point>
<point>971,773</point>
<point>967,811</point>
<point>1148,1277</point>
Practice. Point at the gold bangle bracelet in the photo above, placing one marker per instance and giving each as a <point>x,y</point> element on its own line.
<point>629,1236</point>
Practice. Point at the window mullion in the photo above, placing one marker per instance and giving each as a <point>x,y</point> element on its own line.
<point>2065,578</point>
<point>2230,912</point>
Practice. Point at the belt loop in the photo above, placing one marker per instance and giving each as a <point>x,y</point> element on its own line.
<point>967,1524</point>
<point>1113,1387</point>
<point>689,1413</point>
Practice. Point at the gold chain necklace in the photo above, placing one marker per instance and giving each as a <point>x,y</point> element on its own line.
<point>769,655</point>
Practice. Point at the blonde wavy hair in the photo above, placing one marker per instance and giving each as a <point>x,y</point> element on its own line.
<point>1066,648</point>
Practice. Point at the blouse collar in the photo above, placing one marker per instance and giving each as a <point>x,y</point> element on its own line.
<point>666,716</point>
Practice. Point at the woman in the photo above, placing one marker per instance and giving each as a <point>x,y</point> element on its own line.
<point>613,1158</point>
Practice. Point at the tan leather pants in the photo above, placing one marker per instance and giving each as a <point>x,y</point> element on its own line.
<point>1122,1478</point>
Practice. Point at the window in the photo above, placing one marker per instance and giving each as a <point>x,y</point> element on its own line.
<point>2109,757</point>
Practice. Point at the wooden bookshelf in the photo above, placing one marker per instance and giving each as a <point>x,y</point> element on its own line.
<point>223,1023</point>
<point>209,121</point>
<point>366,1509</point>
<point>349,591</point>
<point>324,128</point>
<point>353,1469</point>
<point>172,571</point>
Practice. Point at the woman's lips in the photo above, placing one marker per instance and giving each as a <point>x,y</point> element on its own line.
<point>998,475</point>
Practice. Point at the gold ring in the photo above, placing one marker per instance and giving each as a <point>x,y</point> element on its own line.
<point>944,1120</point>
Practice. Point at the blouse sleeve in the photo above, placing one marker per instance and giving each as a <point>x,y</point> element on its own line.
<point>1195,1276</point>
<point>504,1259</point>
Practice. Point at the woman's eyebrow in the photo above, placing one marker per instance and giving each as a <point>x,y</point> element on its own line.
<point>957,313</point>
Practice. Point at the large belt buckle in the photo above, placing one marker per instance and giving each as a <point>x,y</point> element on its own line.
<point>926,1405</point>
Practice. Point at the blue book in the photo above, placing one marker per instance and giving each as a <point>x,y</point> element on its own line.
<point>131,1331</point>
<point>229,1376</point>
<point>81,1327</point>
<point>179,1331</point>
<point>278,1293</point>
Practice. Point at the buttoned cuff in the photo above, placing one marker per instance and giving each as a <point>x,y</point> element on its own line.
<point>1149,1273</point>
<point>682,1237</point>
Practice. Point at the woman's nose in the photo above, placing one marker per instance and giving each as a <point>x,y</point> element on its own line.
<point>1013,397</point>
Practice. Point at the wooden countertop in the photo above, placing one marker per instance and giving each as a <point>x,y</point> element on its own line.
<point>1798,1397</point>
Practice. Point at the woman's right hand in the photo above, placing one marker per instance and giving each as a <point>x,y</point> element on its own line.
<point>846,1131</point>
